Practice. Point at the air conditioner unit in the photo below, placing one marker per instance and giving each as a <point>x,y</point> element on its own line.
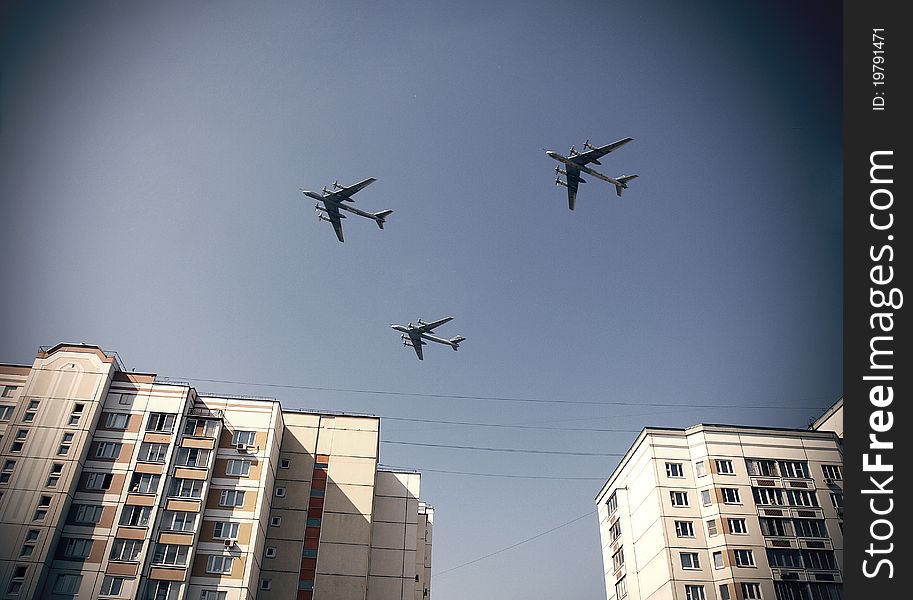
<point>229,543</point>
<point>241,447</point>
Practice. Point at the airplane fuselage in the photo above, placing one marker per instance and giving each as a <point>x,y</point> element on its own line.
<point>426,336</point>
<point>584,169</point>
<point>339,205</point>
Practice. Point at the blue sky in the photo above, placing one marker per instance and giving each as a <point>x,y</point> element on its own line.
<point>150,161</point>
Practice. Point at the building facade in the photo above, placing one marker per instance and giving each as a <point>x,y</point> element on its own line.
<point>116,485</point>
<point>717,512</point>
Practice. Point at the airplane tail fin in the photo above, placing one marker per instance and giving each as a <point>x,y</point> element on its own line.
<point>455,342</point>
<point>380,217</point>
<point>623,183</point>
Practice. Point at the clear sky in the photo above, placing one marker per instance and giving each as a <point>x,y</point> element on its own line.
<point>151,155</point>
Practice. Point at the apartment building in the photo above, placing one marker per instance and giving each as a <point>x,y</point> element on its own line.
<point>718,512</point>
<point>116,485</point>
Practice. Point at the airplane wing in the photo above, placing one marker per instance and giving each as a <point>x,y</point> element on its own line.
<point>335,218</point>
<point>427,327</point>
<point>573,178</point>
<point>417,344</point>
<point>593,156</point>
<point>346,193</point>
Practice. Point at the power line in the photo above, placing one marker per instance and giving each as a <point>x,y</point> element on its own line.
<point>315,388</point>
<point>511,547</point>
<point>517,450</point>
<point>507,425</point>
<point>497,475</point>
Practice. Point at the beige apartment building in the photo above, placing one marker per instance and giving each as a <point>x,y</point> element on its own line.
<point>116,485</point>
<point>718,512</point>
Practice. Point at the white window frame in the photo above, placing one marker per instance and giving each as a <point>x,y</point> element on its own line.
<point>238,468</point>
<point>116,420</point>
<point>217,563</point>
<point>706,498</point>
<point>108,449</point>
<point>724,466</point>
<point>675,470</point>
<point>751,590</point>
<point>152,452</point>
<point>224,530</point>
<point>243,436</point>
<point>236,496</point>
<point>145,483</point>
<point>695,592</point>
<point>172,555</point>
<point>717,564</point>
<point>96,481</point>
<point>112,585</point>
<point>744,552</point>
<point>124,550</point>
<point>736,497</point>
<point>188,520</point>
<point>679,498</point>
<point>741,527</point>
<point>186,488</point>
<point>684,529</point>
<point>690,561</point>
<point>77,547</point>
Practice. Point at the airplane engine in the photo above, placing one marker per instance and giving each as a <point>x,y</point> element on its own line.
<point>559,182</point>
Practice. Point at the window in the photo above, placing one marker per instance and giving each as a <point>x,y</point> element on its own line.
<point>186,488</point>
<point>74,420</point>
<point>39,515</point>
<point>695,592</point>
<point>762,468</point>
<point>67,584</point>
<point>27,550</point>
<point>791,468</point>
<point>612,503</point>
<point>309,522</point>
<point>144,483</point>
<point>218,564</point>
<point>724,592</point>
<point>280,492</point>
<point>213,595</point>
<point>31,411</point>
<point>837,499</point>
<point>153,453</point>
<point>819,559</point>
<point>751,591</point>
<point>277,522</point>
<point>85,514</point>
<point>126,550</point>
<point>690,560</point>
<point>705,498</point>
<point>724,467</point>
<point>193,457</point>
<point>767,496</point>
<point>830,471</point>
<point>674,470</point>
<point>162,422</point>
<point>135,516</point>
<point>718,560</point>
<point>178,521</point>
<point>98,481</point>
<point>318,493</point>
<point>107,450</point>
<point>117,420</point>
<point>711,527</point>
<point>615,531</point>
<point>731,496</point>
<point>201,428</point>
<point>618,559</point>
<point>285,463</point>
<point>9,465</point>
<point>240,468</point>
<point>44,501</point>
<point>801,498</point>
<point>684,529</point>
<point>621,588</point>
<point>6,412</point>
<point>266,584</point>
<point>814,528</point>
<point>170,554</point>
<point>160,590</point>
<point>231,498</point>
<point>271,552</point>
<point>32,535</point>
<point>225,530</point>
<point>775,527</point>
<point>112,586</point>
<point>737,526</point>
<point>744,558</point>
<point>243,437</point>
<point>9,390</point>
<point>76,547</point>
<point>679,498</point>
<point>782,557</point>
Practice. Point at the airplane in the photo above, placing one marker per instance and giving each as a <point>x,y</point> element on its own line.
<point>576,162</point>
<point>333,202</point>
<point>414,335</point>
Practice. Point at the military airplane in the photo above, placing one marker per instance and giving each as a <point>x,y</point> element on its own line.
<point>414,335</point>
<point>576,162</point>
<point>333,202</point>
